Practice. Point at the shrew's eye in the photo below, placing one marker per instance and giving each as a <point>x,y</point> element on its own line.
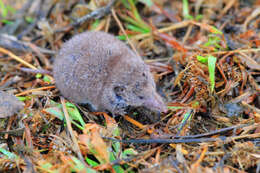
<point>119,90</point>
<point>141,97</point>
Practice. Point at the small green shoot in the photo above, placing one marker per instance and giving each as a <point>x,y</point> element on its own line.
<point>126,4</point>
<point>215,30</point>
<point>116,147</point>
<point>122,37</point>
<point>137,29</point>
<point>186,117</point>
<point>5,21</point>
<point>213,40</point>
<point>73,113</point>
<point>38,75</point>
<point>134,20</point>
<point>129,152</point>
<point>29,19</point>
<point>8,154</point>
<point>202,59</point>
<point>185,10</point>
<point>118,169</point>
<point>175,107</point>
<point>80,167</point>
<point>186,14</point>
<point>95,24</point>
<point>198,17</point>
<point>91,162</point>
<point>24,98</point>
<point>211,65</point>
<point>135,11</point>
<point>211,60</point>
<point>46,166</point>
<point>5,10</point>
<point>46,79</point>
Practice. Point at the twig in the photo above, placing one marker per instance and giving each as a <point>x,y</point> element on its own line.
<point>73,138</point>
<point>164,141</point>
<point>97,14</point>
<point>255,109</point>
<point>214,132</point>
<point>176,141</point>
<point>41,71</point>
<point>2,50</point>
<point>253,15</point>
<point>167,29</point>
<point>15,132</point>
<point>123,30</point>
<point>184,122</point>
<point>10,42</point>
<point>234,51</point>
<point>189,139</point>
<point>136,123</point>
<point>227,7</point>
<point>36,89</point>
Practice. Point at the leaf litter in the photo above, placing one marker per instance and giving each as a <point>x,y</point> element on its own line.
<point>204,56</point>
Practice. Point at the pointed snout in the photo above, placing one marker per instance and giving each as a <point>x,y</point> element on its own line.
<point>155,103</point>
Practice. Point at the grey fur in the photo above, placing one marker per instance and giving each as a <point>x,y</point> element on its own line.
<point>9,104</point>
<point>96,68</point>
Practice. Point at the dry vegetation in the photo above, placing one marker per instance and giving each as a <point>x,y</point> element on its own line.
<point>204,55</point>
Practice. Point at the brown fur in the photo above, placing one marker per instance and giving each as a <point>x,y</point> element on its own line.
<point>96,68</point>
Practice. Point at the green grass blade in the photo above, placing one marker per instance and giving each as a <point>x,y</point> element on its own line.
<point>137,29</point>
<point>3,9</point>
<point>202,59</point>
<point>185,10</point>
<point>186,117</point>
<point>211,65</point>
<point>80,167</point>
<point>8,153</point>
<point>91,162</point>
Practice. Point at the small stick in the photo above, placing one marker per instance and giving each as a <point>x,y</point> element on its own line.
<point>10,42</point>
<point>164,141</point>
<point>123,30</point>
<point>17,58</point>
<point>73,138</point>
<point>166,29</point>
<point>36,89</point>
<point>41,71</point>
<point>97,14</point>
<point>15,132</point>
<point>190,139</point>
<point>136,123</point>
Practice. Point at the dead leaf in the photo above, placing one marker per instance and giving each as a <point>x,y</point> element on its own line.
<point>94,142</point>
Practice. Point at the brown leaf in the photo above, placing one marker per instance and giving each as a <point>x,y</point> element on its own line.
<point>94,142</point>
